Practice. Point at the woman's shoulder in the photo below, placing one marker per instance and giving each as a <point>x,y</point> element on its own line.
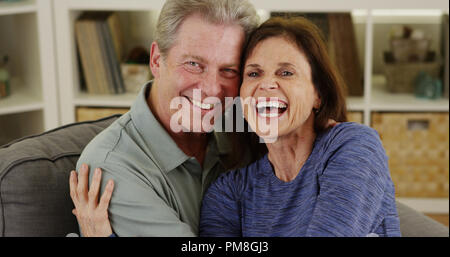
<point>346,129</point>
<point>356,147</point>
<point>350,133</point>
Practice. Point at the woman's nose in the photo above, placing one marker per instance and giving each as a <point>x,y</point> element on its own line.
<point>268,84</point>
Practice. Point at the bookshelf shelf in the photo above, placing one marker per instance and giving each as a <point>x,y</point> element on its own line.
<point>27,38</point>
<point>12,8</point>
<point>20,101</point>
<point>382,100</point>
<point>120,100</point>
<point>117,5</point>
<point>355,103</point>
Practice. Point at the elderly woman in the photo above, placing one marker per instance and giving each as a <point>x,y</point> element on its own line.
<point>314,180</point>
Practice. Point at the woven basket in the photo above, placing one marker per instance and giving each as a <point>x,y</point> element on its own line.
<point>417,145</point>
<point>407,50</point>
<point>355,117</point>
<point>94,113</point>
<point>400,77</point>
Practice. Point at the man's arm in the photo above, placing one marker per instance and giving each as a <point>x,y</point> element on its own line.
<point>136,209</point>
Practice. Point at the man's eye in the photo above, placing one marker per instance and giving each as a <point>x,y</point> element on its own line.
<point>193,66</point>
<point>230,73</point>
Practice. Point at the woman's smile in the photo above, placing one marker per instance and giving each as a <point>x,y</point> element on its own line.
<point>270,107</point>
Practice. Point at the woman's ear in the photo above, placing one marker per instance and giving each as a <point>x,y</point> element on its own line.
<point>155,59</point>
<point>317,102</point>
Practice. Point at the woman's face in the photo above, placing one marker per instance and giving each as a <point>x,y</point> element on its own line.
<point>277,77</point>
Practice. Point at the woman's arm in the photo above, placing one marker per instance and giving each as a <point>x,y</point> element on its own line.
<point>353,186</point>
<point>220,215</point>
<point>92,214</point>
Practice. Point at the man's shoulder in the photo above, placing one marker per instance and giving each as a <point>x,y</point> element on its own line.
<point>105,141</point>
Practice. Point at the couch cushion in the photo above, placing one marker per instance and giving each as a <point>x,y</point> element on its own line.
<point>416,224</point>
<point>34,180</point>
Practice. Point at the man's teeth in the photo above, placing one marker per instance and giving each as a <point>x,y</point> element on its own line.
<point>202,105</point>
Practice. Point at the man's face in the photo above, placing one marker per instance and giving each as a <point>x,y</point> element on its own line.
<point>201,69</point>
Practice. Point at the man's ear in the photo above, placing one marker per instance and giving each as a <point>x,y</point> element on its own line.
<point>155,59</point>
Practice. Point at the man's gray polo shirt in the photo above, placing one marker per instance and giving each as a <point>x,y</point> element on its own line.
<point>157,188</point>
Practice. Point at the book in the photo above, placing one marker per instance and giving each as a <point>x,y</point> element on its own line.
<point>343,51</point>
<point>84,48</point>
<point>100,49</point>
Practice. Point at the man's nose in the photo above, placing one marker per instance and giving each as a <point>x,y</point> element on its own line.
<point>211,84</point>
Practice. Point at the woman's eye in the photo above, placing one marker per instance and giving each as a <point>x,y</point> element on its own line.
<point>252,74</point>
<point>286,73</point>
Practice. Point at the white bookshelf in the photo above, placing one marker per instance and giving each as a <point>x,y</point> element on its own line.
<point>12,8</point>
<point>27,37</point>
<point>369,18</point>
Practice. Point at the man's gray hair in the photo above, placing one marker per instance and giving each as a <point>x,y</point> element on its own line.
<point>240,12</point>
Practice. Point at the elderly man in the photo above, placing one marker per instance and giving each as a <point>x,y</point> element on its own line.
<point>160,174</point>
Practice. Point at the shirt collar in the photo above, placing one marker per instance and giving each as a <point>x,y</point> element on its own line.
<point>162,147</point>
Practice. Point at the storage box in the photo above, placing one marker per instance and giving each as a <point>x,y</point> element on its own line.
<point>94,113</point>
<point>400,77</point>
<point>417,145</point>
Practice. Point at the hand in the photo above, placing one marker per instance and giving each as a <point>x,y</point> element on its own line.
<point>331,123</point>
<point>91,214</point>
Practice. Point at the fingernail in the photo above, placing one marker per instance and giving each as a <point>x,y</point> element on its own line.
<point>97,171</point>
<point>84,167</point>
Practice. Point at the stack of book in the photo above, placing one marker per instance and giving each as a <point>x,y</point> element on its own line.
<point>99,42</point>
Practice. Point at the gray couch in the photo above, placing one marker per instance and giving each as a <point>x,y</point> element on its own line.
<point>34,188</point>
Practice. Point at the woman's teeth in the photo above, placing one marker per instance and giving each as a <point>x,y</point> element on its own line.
<point>271,109</point>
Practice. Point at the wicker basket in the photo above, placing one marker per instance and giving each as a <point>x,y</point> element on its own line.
<point>400,77</point>
<point>94,113</point>
<point>417,145</point>
<point>409,50</point>
<point>355,117</point>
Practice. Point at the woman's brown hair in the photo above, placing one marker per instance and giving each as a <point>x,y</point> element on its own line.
<point>326,79</point>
